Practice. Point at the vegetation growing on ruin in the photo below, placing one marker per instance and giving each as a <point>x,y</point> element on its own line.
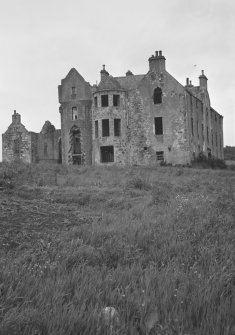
<point>157,244</point>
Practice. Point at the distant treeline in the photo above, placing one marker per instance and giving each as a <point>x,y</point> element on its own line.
<point>229,153</point>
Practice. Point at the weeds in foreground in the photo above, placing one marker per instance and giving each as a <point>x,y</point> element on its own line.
<point>157,247</point>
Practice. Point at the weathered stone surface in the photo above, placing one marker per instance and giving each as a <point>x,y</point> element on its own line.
<point>30,147</point>
<point>156,119</point>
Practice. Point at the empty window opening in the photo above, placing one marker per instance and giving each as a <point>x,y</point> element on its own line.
<point>16,146</point>
<point>105,127</point>
<point>157,96</point>
<point>160,155</point>
<point>104,100</point>
<point>96,101</point>
<point>96,129</point>
<point>116,100</point>
<point>74,113</point>
<point>45,150</point>
<point>117,127</point>
<point>76,150</point>
<point>73,90</point>
<point>209,153</point>
<point>158,126</point>
<point>107,154</point>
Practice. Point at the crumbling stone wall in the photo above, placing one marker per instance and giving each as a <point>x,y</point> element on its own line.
<point>159,119</point>
<point>48,143</point>
<point>20,144</point>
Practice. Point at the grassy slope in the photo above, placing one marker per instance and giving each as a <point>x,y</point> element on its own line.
<point>156,244</point>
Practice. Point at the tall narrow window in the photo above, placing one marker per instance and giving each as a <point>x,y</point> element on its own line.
<point>96,101</point>
<point>105,127</point>
<point>158,126</point>
<point>117,127</point>
<point>203,131</point>
<point>75,141</point>
<point>104,100</point>
<point>207,134</point>
<point>192,126</point>
<point>73,90</point>
<point>116,100</point>
<point>74,113</point>
<point>157,96</point>
<point>16,146</point>
<point>96,129</point>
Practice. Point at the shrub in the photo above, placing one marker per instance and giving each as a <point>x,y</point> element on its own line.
<point>139,183</point>
<point>204,162</point>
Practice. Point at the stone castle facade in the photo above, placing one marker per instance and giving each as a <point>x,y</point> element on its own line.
<point>134,119</point>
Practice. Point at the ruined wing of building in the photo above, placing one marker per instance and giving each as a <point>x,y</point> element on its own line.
<point>134,119</point>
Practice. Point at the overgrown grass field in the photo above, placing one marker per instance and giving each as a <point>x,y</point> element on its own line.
<point>155,243</point>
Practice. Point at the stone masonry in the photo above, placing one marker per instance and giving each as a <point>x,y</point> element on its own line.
<point>133,119</point>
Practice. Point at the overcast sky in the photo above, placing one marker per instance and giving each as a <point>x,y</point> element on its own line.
<point>41,40</point>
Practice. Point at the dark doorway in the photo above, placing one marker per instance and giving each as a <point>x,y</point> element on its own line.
<point>107,154</point>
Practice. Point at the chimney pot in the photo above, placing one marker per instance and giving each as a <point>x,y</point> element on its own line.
<point>160,53</point>
<point>187,81</point>
<point>190,82</point>
<point>156,53</point>
<point>203,72</point>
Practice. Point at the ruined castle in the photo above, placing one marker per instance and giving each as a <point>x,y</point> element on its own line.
<point>133,119</point>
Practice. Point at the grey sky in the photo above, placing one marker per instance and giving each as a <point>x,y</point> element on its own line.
<point>41,40</point>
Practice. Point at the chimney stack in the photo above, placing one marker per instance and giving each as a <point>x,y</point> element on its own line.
<point>103,73</point>
<point>16,118</point>
<point>157,62</point>
<point>203,81</point>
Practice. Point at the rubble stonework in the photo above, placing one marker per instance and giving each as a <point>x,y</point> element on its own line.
<point>134,119</point>
<point>20,144</point>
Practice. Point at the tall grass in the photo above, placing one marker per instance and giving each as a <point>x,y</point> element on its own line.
<point>155,244</point>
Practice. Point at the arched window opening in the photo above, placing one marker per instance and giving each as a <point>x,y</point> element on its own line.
<point>74,113</point>
<point>157,96</point>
